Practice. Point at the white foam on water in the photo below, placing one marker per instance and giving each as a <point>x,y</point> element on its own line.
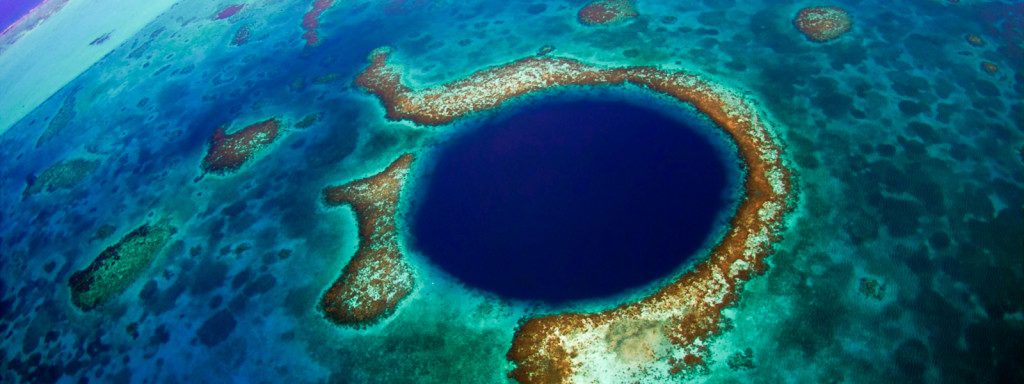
<point>53,54</point>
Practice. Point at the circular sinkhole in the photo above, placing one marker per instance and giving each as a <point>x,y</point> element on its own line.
<point>572,200</point>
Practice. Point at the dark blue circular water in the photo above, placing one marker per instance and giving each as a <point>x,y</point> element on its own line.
<point>570,200</point>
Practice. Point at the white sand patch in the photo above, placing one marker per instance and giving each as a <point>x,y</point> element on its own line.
<point>57,51</point>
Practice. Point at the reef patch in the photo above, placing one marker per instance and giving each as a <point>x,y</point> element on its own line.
<point>231,10</point>
<point>228,152</point>
<point>63,175</point>
<point>119,265</point>
<point>822,24</point>
<point>311,21</point>
<point>603,12</point>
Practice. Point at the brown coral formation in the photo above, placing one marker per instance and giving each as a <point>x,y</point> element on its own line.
<point>606,12</point>
<point>822,24</point>
<point>311,21</point>
<point>227,153</point>
<point>377,278</point>
<point>570,347</point>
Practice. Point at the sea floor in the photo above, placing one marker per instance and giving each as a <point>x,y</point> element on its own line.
<point>901,261</point>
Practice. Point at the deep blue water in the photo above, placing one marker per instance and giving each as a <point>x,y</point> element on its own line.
<point>570,200</point>
<point>12,10</point>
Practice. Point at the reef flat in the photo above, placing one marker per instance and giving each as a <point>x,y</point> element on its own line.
<point>377,278</point>
<point>683,314</point>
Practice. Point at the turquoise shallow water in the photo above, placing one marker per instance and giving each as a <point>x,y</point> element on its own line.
<point>902,261</point>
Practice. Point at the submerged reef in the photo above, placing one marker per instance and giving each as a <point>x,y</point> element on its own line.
<point>377,278</point>
<point>60,120</point>
<point>119,265</point>
<point>63,175</point>
<point>989,67</point>
<point>227,153</point>
<point>311,20</point>
<point>242,36</point>
<point>606,12</point>
<point>822,24</point>
<point>975,41</point>
<point>229,11</point>
<point>679,318</point>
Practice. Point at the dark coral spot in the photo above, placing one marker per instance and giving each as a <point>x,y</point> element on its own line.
<point>939,240</point>
<point>217,328</point>
<point>910,108</point>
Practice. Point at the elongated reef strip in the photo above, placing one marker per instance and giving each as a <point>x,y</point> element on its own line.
<point>311,21</point>
<point>377,278</point>
<point>572,347</point>
<point>119,265</point>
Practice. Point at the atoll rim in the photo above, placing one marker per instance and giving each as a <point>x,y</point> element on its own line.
<point>685,312</point>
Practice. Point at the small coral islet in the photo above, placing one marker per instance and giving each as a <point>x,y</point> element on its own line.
<point>822,24</point>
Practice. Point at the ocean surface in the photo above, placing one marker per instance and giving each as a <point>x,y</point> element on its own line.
<point>902,261</point>
<point>14,10</point>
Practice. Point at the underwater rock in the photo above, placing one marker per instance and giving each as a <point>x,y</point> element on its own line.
<point>309,120</point>
<point>822,24</point>
<point>871,288</point>
<point>103,232</point>
<point>606,12</point>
